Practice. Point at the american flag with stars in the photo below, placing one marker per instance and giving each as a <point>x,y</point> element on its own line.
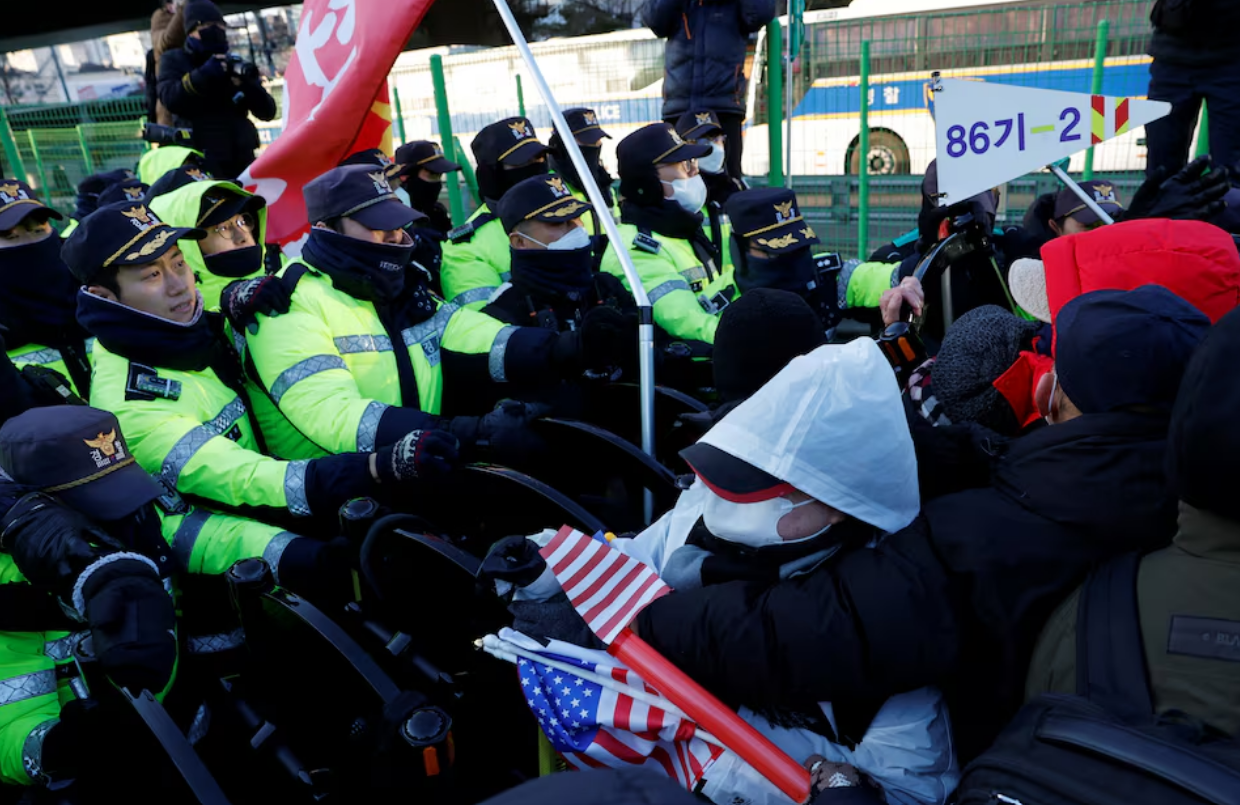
<point>595,725</point>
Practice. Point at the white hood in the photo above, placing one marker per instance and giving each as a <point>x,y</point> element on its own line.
<point>832,425</point>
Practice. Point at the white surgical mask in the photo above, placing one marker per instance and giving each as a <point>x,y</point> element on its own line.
<point>403,195</point>
<point>753,524</point>
<point>712,162</point>
<point>576,239</point>
<point>689,193</point>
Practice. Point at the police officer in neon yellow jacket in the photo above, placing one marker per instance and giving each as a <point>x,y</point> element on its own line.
<point>165,368</point>
<point>37,292</point>
<point>366,352</point>
<point>82,554</point>
<point>475,258</point>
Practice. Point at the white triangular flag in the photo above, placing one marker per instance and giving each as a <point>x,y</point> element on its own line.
<point>987,134</point>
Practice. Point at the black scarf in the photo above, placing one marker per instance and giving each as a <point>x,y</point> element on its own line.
<point>374,272</point>
<point>235,263</point>
<point>561,274</point>
<point>671,220</point>
<point>150,340</point>
<point>422,194</point>
<point>37,296</point>
<point>494,181</point>
<point>563,165</point>
<point>791,271</point>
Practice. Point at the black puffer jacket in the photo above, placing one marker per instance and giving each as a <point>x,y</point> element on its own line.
<point>1195,33</point>
<point>706,44</point>
<point>956,599</point>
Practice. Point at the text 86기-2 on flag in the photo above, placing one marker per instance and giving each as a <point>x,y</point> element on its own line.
<point>335,100</point>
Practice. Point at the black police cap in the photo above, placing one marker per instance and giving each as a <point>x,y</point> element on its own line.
<point>374,157</point>
<point>770,219</point>
<point>223,201</point>
<point>178,177</point>
<point>360,192</point>
<point>583,123</point>
<point>17,201</point>
<point>512,141</point>
<point>423,154</point>
<point>698,125</point>
<point>656,144</point>
<point>133,189</point>
<point>77,454</point>
<point>540,198</point>
<point>123,234</point>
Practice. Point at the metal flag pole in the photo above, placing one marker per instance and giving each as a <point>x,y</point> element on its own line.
<point>1069,183</point>
<point>645,314</point>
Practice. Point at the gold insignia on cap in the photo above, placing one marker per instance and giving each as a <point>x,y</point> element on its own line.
<point>13,193</point>
<point>520,129</point>
<point>568,210</point>
<point>380,180</point>
<point>809,232</point>
<point>104,443</point>
<point>778,243</point>
<point>10,189</point>
<point>557,187</point>
<point>151,245</point>
<point>703,118</point>
<point>140,217</point>
<point>589,118</point>
<point>106,450</point>
<point>675,137</point>
<point>784,211</point>
<point>1105,193</point>
<point>133,192</point>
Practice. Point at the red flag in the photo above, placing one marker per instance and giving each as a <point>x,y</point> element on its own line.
<point>335,100</point>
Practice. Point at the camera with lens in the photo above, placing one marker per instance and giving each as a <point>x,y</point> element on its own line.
<point>237,67</point>
<point>165,135</point>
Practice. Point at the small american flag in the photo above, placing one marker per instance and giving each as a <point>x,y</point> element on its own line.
<point>594,724</point>
<point>607,587</point>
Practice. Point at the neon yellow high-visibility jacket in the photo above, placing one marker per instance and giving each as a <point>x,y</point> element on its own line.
<point>683,292</point>
<point>475,260</point>
<point>183,207</point>
<point>329,366</point>
<point>158,161</point>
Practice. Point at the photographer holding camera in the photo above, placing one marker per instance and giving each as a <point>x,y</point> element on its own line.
<point>213,92</point>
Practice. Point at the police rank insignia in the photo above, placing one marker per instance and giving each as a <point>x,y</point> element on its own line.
<point>140,217</point>
<point>106,449</point>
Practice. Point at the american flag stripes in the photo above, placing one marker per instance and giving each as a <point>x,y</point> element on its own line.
<point>594,722</point>
<point>607,587</point>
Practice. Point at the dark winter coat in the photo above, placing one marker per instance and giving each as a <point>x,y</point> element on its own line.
<point>956,599</point>
<point>203,100</point>
<point>1196,33</point>
<point>706,45</point>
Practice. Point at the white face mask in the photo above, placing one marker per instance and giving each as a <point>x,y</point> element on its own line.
<point>753,524</point>
<point>576,239</point>
<point>689,193</point>
<point>403,195</point>
<point>713,162</point>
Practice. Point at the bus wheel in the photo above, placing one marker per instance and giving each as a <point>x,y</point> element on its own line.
<point>888,155</point>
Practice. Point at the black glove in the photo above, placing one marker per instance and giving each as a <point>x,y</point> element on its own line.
<point>553,619</point>
<point>1191,194</point>
<point>51,543</point>
<point>71,744</point>
<point>243,300</point>
<point>250,73</point>
<point>209,74</point>
<point>420,454</point>
<point>132,622</point>
<point>608,338</point>
<point>502,436</point>
<point>515,560</point>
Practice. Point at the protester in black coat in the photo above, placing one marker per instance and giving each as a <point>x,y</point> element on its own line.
<point>196,85</point>
<point>958,597</point>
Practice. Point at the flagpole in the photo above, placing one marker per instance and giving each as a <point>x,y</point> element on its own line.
<point>1080,193</point>
<point>590,184</point>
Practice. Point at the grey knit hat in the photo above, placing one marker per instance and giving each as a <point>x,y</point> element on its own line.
<point>977,349</point>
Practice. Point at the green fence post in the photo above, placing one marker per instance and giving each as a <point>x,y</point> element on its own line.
<point>11,155</point>
<point>400,115</point>
<point>1203,131</point>
<point>446,139</point>
<point>90,163</point>
<point>520,97</point>
<point>471,180</point>
<point>775,101</point>
<point>863,189</point>
<point>44,187</point>
<point>1100,57</point>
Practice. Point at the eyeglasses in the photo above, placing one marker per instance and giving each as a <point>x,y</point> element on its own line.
<point>232,229</point>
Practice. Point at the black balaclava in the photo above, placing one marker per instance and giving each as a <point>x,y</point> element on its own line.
<point>37,295</point>
<point>494,181</point>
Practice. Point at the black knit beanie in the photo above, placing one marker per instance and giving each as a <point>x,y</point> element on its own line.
<point>978,348</point>
<point>758,335</point>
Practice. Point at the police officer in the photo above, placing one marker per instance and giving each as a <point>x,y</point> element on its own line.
<point>176,177</point>
<point>771,246</point>
<point>422,170</point>
<point>704,128</point>
<point>662,195</point>
<point>589,135</point>
<point>88,190</point>
<point>475,259</point>
<point>164,367</point>
<point>365,355</point>
<point>128,189</point>
<point>553,283</point>
<point>37,292</point>
<point>82,553</point>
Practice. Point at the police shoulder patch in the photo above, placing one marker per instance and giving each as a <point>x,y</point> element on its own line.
<point>647,243</point>
<point>144,383</point>
<point>463,233</point>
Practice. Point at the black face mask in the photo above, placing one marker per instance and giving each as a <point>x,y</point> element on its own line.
<point>791,271</point>
<point>363,269</point>
<point>422,194</point>
<point>213,41</point>
<point>494,180</point>
<point>235,263</point>
<point>567,273</point>
<point>37,294</point>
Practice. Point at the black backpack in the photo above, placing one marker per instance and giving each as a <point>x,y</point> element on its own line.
<point>1105,746</point>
